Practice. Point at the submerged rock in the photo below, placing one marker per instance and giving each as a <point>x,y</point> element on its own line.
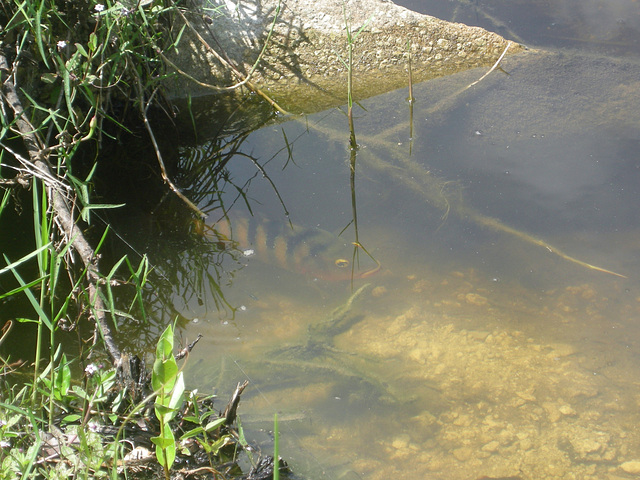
<point>632,466</point>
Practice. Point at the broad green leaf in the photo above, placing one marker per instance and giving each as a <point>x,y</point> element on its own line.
<point>162,412</point>
<point>164,374</point>
<point>71,418</point>
<point>215,424</point>
<point>66,372</point>
<point>165,445</point>
<point>192,433</point>
<point>164,440</point>
<point>218,444</point>
<point>165,343</point>
<point>82,50</point>
<point>93,42</point>
<point>177,394</point>
<point>171,454</point>
<point>79,391</point>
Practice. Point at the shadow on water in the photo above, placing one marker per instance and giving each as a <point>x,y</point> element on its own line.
<point>195,261</point>
<point>186,267</point>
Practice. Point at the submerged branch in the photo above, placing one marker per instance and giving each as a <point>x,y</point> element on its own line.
<point>416,178</point>
<point>430,188</point>
<point>497,225</point>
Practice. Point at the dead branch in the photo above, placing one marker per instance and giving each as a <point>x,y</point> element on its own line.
<point>232,407</point>
<point>144,107</point>
<point>61,210</point>
<point>187,350</point>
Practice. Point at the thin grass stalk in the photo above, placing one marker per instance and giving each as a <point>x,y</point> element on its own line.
<point>352,131</point>
<point>276,448</point>
<point>411,98</point>
<point>37,222</point>
<point>5,196</point>
<point>354,210</point>
<point>350,39</point>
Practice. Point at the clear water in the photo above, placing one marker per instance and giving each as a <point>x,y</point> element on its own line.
<point>491,342</point>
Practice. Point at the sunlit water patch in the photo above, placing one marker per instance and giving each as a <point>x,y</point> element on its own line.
<point>446,373</point>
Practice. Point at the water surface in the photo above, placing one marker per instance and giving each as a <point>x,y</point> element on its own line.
<point>491,342</point>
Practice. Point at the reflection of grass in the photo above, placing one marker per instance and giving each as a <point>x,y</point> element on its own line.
<point>384,156</point>
<point>353,144</point>
<point>187,265</point>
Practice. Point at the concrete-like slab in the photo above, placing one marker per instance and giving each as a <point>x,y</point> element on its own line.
<point>303,66</point>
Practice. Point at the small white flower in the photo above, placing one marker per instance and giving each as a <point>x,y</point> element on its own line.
<point>4,444</point>
<point>61,44</point>
<point>99,7</point>
<point>91,369</point>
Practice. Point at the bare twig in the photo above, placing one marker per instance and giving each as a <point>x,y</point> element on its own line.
<point>232,406</point>
<point>187,350</point>
<point>31,168</point>
<point>225,61</point>
<point>144,107</point>
<point>495,65</point>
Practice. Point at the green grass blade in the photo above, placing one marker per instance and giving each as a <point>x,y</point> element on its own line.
<point>19,262</point>
<point>32,299</point>
<point>38,33</point>
<point>15,291</point>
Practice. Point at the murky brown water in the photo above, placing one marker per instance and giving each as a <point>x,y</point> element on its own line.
<point>487,345</point>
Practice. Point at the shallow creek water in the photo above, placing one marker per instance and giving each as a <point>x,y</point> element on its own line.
<point>486,345</point>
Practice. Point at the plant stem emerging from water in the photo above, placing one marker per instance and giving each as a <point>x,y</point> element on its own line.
<point>411,98</point>
<point>276,449</point>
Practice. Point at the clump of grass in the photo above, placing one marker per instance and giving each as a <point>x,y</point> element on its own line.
<point>98,431</point>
